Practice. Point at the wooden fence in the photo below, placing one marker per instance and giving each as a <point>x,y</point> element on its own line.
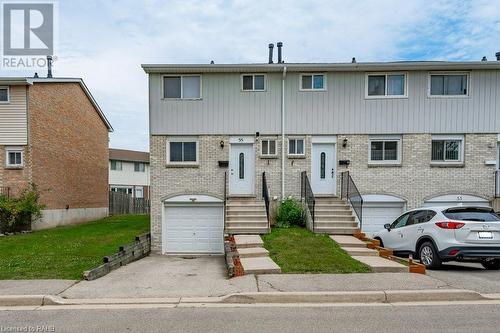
<point>123,203</point>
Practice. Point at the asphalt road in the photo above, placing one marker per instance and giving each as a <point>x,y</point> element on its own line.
<point>364,318</point>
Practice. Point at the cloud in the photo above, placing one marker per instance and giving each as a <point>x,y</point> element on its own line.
<point>106,41</point>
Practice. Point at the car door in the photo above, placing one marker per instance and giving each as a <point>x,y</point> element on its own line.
<point>411,232</point>
<point>393,239</point>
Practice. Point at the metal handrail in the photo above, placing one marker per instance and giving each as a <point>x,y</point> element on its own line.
<point>307,194</point>
<point>265,196</point>
<point>497,184</point>
<point>350,191</point>
<point>5,191</point>
<point>225,196</point>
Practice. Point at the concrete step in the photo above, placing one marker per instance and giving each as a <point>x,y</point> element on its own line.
<point>328,218</point>
<point>253,252</point>
<point>237,225</point>
<point>335,224</point>
<point>319,206</point>
<point>359,251</point>
<point>246,231</point>
<point>336,230</point>
<point>348,241</point>
<point>253,203</point>
<point>245,211</point>
<point>255,217</point>
<point>326,212</point>
<point>381,265</point>
<point>259,265</point>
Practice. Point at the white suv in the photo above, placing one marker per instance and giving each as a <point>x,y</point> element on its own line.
<point>438,234</point>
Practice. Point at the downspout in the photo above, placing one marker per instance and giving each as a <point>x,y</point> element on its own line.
<point>283,144</point>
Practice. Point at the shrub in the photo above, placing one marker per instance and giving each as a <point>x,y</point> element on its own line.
<point>290,212</point>
<point>16,214</point>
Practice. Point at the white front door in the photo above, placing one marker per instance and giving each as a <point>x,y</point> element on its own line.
<point>241,169</point>
<point>323,173</point>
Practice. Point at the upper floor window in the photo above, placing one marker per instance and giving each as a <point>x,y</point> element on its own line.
<point>385,150</point>
<point>449,84</point>
<point>386,85</point>
<point>182,86</point>
<point>183,152</point>
<point>268,147</point>
<point>139,167</point>
<point>312,82</point>
<point>447,149</point>
<point>296,147</point>
<point>14,157</point>
<point>253,82</point>
<point>4,95</point>
<point>116,165</point>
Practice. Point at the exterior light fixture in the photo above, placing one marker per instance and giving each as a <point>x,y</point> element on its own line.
<point>221,143</point>
<point>344,142</point>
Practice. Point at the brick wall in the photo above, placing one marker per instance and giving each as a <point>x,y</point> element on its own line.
<point>69,144</point>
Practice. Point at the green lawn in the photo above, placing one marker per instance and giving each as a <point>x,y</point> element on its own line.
<point>65,252</point>
<point>297,250</point>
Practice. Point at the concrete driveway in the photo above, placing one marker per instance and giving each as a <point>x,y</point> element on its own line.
<point>164,276</point>
<point>468,276</point>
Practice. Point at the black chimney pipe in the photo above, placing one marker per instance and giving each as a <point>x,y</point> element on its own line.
<point>49,67</point>
<point>498,56</point>
<point>279,45</point>
<point>271,46</point>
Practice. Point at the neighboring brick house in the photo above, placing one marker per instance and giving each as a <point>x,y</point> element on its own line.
<point>129,172</point>
<point>409,133</point>
<point>53,134</point>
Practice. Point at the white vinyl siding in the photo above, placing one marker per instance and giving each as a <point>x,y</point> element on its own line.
<point>13,118</point>
<point>182,87</point>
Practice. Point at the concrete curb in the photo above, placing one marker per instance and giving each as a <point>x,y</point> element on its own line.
<point>383,296</point>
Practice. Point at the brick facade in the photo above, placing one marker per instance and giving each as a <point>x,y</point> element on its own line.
<point>69,143</point>
<point>415,180</point>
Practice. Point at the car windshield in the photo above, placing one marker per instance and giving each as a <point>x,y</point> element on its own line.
<point>472,214</point>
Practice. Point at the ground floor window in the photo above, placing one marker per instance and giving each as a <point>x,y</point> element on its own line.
<point>385,150</point>
<point>14,157</point>
<point>447,149</point>
<point>296,147</point>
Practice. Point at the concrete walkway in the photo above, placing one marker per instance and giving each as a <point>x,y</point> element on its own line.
<point>34,287</point>
<point>254,258</point>
<point>358,250</point>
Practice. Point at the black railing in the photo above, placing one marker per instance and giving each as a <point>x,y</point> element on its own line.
<point>225,197</point>
<point>307,194</point>
<point>265,196</point>
<point>5,191</point>
<point>497,184</point>
<point>350,192</point>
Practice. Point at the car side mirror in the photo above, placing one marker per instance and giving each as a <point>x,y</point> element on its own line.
<point>387,226</point>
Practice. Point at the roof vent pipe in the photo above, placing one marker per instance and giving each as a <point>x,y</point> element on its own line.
<point>49,67</point>
<point>498,56</point>
<point>271,47</point>
<point>280,46</point>
<point>484,59</point>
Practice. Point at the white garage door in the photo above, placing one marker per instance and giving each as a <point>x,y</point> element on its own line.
<point>456,199</point>
<point>195,227</point>
<point>379,210</point>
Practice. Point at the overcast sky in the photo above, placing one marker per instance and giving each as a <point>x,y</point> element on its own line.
<point>105,42</point>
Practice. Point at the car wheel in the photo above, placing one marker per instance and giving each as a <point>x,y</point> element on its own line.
<point>429,256</point>
<point>493,264</point>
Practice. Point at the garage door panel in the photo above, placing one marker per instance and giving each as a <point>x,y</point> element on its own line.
<point>374,217</point>
<point>194,228</point>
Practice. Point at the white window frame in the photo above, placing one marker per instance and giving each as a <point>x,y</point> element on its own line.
<point>385,96</point>
<point>253,82</point>
<point>429,74</point>
<point>14,150</point>
<point>288,146</point>
<point>118,161</point>
<point>461,153</point>
<point>262,154</point>
<point>183,139</point>
<point>144,164</point>
<point>182,88</point>
<point>8,95</point>
<point>140,189</point>
<point>390,138</point>
<point>312,83</point>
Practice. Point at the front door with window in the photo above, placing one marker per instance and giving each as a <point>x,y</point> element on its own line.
<point>241,169</point>
<point>323,173</point>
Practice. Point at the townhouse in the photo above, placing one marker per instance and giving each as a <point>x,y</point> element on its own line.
<point>129,172</point>
<point>54,134</point>
<point>229,141</point>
